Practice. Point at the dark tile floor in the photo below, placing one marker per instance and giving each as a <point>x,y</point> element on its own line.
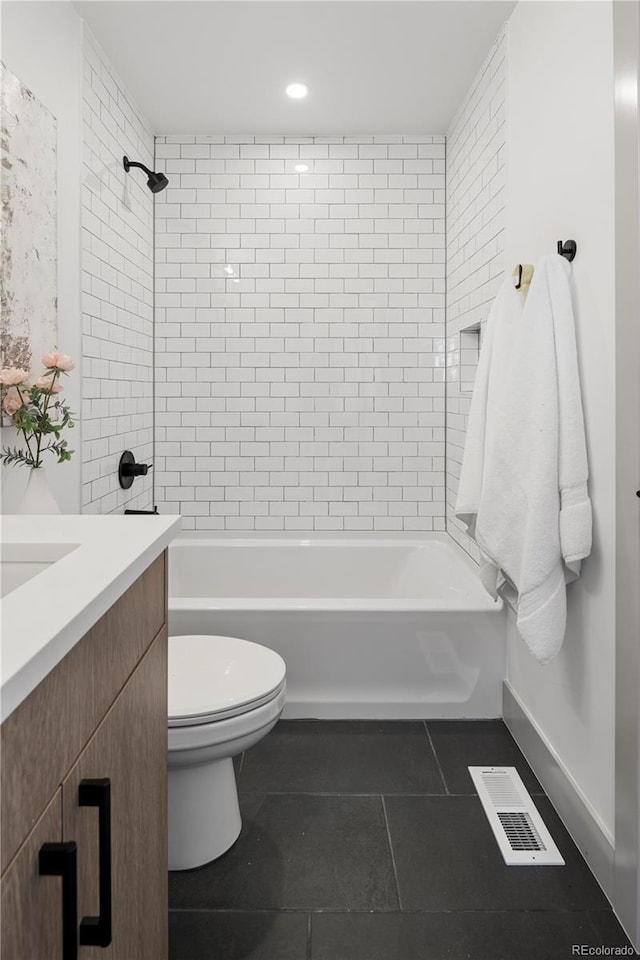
<point>366,841</point>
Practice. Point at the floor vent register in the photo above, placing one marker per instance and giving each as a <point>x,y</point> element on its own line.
<point>517,826</point>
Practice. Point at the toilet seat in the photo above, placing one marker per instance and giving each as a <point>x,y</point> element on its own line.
<point>212,678</point>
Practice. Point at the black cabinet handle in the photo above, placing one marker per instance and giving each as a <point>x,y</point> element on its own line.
<point>96,931</point>
<point>61,860</point>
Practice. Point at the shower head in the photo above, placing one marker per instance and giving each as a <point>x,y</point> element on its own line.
<point>156,181</point>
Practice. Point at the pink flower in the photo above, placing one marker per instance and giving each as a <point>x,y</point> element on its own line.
<point>58,361</point>
<point>48,383</point>
<point>10,376</point>
<point>12,402</point>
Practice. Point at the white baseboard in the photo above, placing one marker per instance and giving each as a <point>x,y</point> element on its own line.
<point>591,839</point>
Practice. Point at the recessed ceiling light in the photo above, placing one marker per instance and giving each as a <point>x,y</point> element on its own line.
<point>297,91</point>
<point>301,168</point>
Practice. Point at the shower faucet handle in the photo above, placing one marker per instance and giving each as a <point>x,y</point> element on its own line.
<point>128,469</point>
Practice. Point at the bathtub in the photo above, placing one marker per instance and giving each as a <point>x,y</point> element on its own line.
<point>370,627</point>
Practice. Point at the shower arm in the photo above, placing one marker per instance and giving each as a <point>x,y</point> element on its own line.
<point>127,164</point>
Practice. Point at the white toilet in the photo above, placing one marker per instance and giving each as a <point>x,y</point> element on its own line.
<point>225,695</point>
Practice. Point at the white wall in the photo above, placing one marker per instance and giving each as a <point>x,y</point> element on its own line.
<point>476,200</point>
<point>117,289</point>
<point>304,388</point>
<point>42,46</point>
<point>560,186</point>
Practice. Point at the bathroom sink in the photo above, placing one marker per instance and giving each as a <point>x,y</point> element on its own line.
<point>20,562</point>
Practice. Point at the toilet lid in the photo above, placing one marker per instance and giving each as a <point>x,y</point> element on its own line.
<point>212,677</point>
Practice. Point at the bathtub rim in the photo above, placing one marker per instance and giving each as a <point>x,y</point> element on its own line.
<point>199,539</point>
<point>329,605</point>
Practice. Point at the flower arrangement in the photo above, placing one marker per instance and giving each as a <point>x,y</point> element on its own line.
<point>37,412</point>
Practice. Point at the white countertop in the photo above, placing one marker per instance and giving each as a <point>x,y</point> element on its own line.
<point>46,616</point>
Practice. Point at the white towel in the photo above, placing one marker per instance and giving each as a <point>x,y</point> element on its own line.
<point>523,487</point>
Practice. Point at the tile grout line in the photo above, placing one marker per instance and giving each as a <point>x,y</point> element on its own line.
<point>347,911</point>
<point>393,859</point>
<point>437,758</point>
<point>342,793</point>
<point>309,936</point>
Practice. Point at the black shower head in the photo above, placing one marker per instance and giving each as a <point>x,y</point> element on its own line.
<point>156,181</point>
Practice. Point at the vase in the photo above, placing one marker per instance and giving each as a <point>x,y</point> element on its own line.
<point>37,497</point>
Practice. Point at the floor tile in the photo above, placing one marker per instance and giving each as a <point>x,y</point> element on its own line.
<point>472,743</point>
<point>314,847</point>
<point>237,935</point>
<point>447,859</point>
<point>342,757</point>
<point>608,931</point>
<point>298,852</point>
<point>487,935</point>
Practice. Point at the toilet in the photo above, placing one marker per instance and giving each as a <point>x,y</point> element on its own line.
<point>225,695</point>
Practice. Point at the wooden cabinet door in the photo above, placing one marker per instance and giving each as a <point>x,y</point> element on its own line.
<point>130,748</point>
<point>32,905</point>
<point>43,737</point>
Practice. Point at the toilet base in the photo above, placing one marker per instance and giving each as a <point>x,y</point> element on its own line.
<point>204,816</point>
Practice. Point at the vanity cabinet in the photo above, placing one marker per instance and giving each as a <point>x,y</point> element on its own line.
<point>84,765</point>
<point>30,907</point>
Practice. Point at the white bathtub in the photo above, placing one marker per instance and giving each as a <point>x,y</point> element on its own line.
<point>369,626</point>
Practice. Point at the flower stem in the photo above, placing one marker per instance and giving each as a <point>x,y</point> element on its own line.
<point>24,432</point>
<point>47,395</point>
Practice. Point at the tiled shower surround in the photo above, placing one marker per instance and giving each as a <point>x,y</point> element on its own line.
<point>117,290</point>
<point>300,333</point>
<point>476,213</point>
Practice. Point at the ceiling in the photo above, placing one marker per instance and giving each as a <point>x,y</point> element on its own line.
<point>221,66</point>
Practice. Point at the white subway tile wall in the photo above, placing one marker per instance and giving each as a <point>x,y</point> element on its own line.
<point>476,197</point>
<point>300,332</point>
<point>117,295</point>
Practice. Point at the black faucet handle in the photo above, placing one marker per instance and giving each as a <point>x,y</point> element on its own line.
<point>128,469</point>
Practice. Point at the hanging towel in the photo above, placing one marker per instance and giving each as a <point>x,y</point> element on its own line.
<point>523,487</point>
